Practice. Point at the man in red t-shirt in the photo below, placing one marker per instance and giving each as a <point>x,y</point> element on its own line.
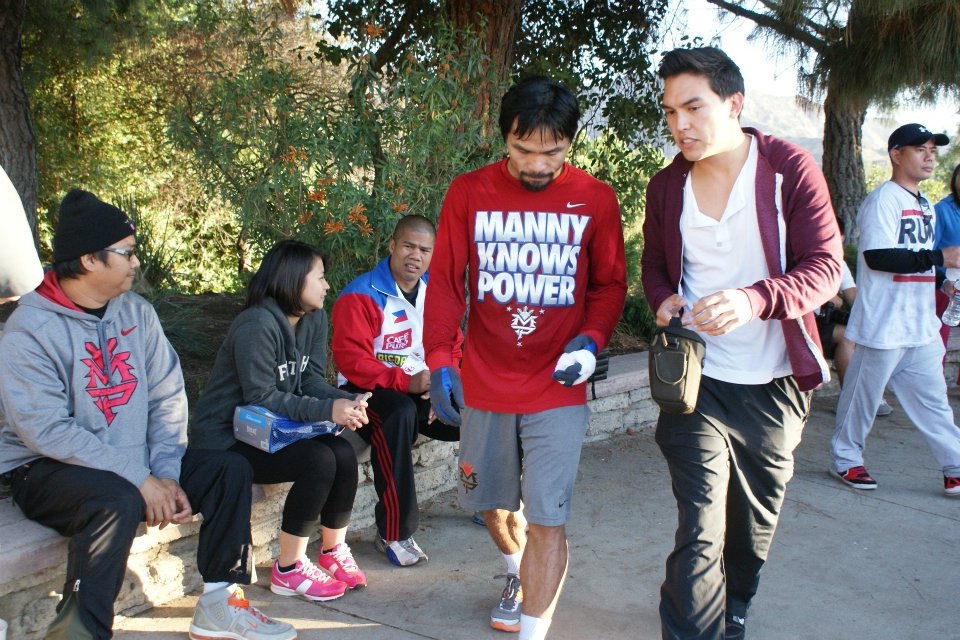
<point>540,244</point>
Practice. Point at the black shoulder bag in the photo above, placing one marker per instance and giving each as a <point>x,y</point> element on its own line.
<point>676,361</point>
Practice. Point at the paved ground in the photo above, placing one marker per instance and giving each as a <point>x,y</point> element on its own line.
<point>875,565</point>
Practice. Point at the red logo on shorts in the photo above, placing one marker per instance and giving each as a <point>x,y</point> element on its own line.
<point>398,341</point>
<point>468,476</point>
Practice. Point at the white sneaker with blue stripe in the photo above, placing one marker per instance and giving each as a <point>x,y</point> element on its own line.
<point>402,553</point>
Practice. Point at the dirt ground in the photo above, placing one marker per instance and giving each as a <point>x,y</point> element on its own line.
<point>196,326</point>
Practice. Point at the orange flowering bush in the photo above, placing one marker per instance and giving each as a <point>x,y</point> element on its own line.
<point>337,163</point>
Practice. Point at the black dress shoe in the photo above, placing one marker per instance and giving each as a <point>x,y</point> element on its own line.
<point>735,628</point>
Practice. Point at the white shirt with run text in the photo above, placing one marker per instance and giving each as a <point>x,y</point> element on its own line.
<point>894,310</point>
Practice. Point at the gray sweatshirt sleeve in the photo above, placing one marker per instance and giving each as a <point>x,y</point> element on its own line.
<point>314,382</point>
<point>167,399</point>
<point>37,408</point>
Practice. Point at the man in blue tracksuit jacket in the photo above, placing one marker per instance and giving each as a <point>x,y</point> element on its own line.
<point>378,347</point>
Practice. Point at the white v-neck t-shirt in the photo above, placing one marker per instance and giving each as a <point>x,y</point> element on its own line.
<point>728,254</point>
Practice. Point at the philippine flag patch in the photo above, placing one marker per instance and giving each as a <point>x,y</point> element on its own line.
<point>401,316</point>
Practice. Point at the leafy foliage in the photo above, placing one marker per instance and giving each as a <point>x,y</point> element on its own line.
<point>102,78</point>
<point>911,45</point>
<point>333,156</point>
<point>223,126</point>
<point>602,50</point>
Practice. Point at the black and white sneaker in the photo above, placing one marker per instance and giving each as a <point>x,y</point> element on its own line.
<point>736,628</point>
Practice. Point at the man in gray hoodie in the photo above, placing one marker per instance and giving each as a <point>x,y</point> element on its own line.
<point>93,434</point>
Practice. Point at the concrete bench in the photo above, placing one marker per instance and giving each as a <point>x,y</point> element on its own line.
<point>162,564</point>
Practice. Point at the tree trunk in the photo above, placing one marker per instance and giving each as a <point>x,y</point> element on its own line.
<point>499,20</point>
<point>843,158</point>
<point>18,154</point>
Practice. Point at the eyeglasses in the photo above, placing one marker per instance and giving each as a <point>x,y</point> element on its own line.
<point>126,253</point>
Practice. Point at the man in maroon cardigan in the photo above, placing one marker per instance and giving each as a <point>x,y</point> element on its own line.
<point>740,241</point>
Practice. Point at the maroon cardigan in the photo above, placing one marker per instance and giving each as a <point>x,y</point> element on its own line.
<point>801,281</point>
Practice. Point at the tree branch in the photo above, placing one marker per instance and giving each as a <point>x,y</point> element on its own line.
<point>201,134</point>
<point>812,25</point>
<point>413,11</point>
<point>769,22</point>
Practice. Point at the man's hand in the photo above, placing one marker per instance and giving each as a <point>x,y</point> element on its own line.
<point>578,361</point>
<point>720,312</point>
<point>420,382</point>
<point>951,257</point>
<point>669,308</point>
<point>431,416</point>
<point>185,512</point>
<point>446,395</point>
<point>165,501</point>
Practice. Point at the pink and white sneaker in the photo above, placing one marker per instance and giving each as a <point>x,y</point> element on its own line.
<point>306,580</point>
<point>338,563</point>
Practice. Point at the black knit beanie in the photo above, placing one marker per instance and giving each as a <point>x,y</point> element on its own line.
<point>87,224</point>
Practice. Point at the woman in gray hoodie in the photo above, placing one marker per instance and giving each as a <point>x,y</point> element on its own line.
<point>274,357</point>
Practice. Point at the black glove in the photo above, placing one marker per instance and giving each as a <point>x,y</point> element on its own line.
<point>578,361</point>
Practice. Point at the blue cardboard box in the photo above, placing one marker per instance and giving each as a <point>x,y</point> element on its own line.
<point>270,432</point>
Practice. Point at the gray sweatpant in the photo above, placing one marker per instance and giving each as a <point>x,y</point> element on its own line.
<point>915,375</point>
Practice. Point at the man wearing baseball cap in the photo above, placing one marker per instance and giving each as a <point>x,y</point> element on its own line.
<point>915,135</point>
<point>93,434</point>
<point>894,323</point>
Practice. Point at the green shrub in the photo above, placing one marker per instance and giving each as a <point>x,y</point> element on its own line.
<point>335,155</point>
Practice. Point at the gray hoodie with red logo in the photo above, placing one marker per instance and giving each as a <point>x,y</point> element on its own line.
<point>106,394</point>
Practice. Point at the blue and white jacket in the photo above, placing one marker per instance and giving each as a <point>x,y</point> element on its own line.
<point>377,334</point>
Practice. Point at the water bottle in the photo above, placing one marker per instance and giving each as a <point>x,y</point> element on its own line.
<point>951,315</point>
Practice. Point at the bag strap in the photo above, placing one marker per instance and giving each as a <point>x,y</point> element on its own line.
<point>661,335</point>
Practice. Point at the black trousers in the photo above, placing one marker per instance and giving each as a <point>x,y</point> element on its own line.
<point>100,512</point>
<point>729,463</point>
<point>324,474</point>
<point>395,421</point>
